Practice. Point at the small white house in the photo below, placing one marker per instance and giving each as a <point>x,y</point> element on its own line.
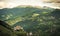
<point>18,28</point>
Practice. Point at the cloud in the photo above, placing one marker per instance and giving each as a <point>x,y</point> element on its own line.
<point>54,3</point>
<point>14,3</point>
<point>2,4</point>
<point>2,0</point>
<point>51,1</point>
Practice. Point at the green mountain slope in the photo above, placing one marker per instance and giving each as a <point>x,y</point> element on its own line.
<point>41,21</point>
<point>17,13</point>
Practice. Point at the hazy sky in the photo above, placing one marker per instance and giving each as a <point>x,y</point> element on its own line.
<point>14,3</point>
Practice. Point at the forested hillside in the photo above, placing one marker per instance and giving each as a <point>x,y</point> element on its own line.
<point>40,21</point>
